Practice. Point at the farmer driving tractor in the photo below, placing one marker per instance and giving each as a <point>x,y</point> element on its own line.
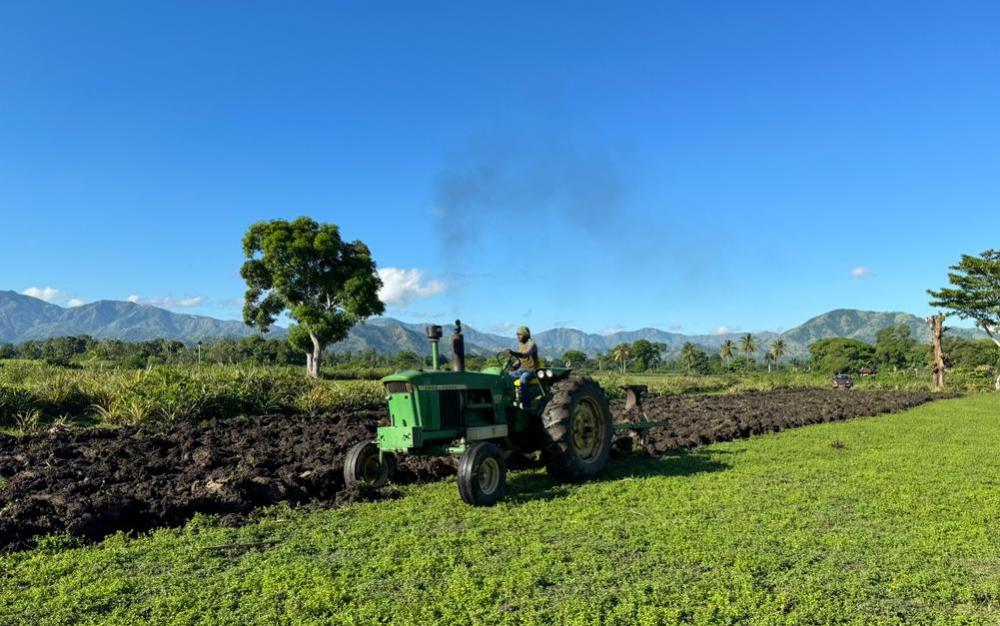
<point>525,361</point>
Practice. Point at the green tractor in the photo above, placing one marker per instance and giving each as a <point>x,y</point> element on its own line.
<point>478,415</point>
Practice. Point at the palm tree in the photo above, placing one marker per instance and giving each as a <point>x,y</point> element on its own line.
<point>777,351</point>
<point>748,345</point>
<point>689,355</point>
<point>727,350</point>
<point>620,355</point>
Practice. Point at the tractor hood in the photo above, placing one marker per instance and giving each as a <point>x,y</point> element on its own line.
<point>431,380</point>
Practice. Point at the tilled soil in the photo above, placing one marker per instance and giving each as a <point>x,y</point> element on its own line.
<point>698,420</point>
<point>91,483</point>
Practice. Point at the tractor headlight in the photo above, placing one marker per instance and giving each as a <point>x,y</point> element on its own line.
<point>540,373</point>
<point>548,373</point>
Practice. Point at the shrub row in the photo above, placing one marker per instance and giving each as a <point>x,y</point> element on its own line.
<point>167,393</point>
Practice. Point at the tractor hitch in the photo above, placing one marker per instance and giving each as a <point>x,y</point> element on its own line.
<point>633,400</point>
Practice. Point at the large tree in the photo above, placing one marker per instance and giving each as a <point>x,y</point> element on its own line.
<point>837,354</point>
<point>324,283</point>
<point>896,348</point>
<point>975,293</point>
<point>647,353</point>
<point>575,358</point>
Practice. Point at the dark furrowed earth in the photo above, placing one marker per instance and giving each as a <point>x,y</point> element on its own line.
<point>698,420</point>
<point>92,483</point>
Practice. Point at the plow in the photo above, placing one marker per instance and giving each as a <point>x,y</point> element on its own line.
<point>484,417</point>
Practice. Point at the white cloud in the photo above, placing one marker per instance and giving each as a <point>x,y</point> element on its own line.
<point>167,302</point>
<point>400,286</point>
<point>43,293</point>
<point>861,272</point>
<point>723,330</point>
<point>617,328</point>
<point>74,302</point>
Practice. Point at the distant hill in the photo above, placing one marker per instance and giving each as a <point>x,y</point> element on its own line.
<point>23,318</point>
<point>862,325</point>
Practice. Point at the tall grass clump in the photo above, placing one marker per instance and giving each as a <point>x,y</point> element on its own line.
<point>171,393</point>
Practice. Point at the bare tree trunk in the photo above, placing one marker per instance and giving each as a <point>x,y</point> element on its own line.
<point>937,331</point>
<point>996,385</point>
<point>313,360</point>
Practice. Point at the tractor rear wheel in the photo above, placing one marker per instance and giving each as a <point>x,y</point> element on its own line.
<point>577,421</point>
<point>482,474</point>
<point>362,465</point>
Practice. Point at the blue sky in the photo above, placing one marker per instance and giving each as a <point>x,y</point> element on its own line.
<point>688,166</point>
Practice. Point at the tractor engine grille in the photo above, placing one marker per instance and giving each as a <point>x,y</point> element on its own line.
<point>398,387</point>
<point>450,409</point>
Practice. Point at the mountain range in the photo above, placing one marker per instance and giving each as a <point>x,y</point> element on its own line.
<point>24,318</point>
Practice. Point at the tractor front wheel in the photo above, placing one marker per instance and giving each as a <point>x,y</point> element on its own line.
<point>363,465</point>
<point>482,475</point>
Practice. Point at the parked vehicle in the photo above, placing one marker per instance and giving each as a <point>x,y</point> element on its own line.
<point>842,381</point>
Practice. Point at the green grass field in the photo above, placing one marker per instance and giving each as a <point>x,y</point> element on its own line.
<point>889,520</point>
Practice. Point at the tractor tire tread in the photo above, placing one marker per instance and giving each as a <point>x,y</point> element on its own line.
<point>353,458</point>
<point>468,475</point>
<point>561,460</point>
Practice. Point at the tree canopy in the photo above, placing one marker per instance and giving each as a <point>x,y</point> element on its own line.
<point>303,267</point>
<point>647,354</point>
<point>575,358</point>
<point>975,293</point>
<point>836,354</point>
<point>694,358</point>
<point>896,348</point>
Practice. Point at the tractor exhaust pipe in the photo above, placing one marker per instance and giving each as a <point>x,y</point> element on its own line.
<point>458,349</point>
<point>434,334</point>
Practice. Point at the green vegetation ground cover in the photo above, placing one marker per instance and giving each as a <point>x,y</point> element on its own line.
<point>889,520</point>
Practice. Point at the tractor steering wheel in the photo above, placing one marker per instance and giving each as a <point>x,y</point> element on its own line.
<point>509,363</point>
